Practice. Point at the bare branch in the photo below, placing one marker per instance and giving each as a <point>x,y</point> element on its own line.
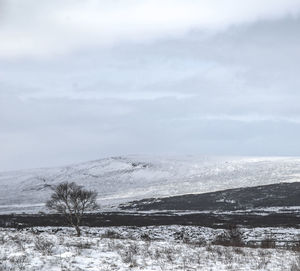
<point>72,201</point>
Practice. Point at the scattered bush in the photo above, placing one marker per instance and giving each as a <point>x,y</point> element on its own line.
<point>295,246</point>
<point>233,237</point>
<point>19,261</point>
<point>43,245</point>
<point>268,243</point>
<point>83,245</point>
<point>111,234</point>
<point>128,255</point>
<point>296,264</point>
<point>145,237</point>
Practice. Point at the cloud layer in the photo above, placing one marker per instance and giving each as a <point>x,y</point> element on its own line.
<point>81,80</point>
<point>45,29</point>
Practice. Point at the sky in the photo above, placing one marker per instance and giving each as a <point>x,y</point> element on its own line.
<point>83,80</point>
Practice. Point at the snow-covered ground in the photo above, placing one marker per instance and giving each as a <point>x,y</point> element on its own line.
<point>124,248</point>
<point>120,179</point>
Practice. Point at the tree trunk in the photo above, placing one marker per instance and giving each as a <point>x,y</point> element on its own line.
<point>77,230</point>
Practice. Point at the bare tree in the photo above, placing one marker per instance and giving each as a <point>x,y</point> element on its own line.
<point>72,201</point>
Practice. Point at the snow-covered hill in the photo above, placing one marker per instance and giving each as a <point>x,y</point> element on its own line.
<point>120,179</point>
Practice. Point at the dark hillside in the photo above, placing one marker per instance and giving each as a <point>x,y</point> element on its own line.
<point>283,195</point>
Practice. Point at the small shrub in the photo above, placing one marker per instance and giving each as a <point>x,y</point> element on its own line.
<point>83,245</point>
<point>296,246</point>
<point>169,255</point>
<point>221,240</point>
<point>5,267</point>
<point>18,261</point>
<point>2,240</point>
<point>128,257</point>
<point>200,242</point>
<point>43,245</point>
<point>268,243</point>
<point>112,245</point>
<point>111,234</point>
<point>145,237</point>
<point>18,241</point>
<point>238,250</point>
<point>157,254</point>
<point>233,237</point>
<point>296,264</point>
<point>295,267</point>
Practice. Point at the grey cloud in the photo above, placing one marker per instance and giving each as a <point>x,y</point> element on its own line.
<point>46,29</point>
<point>230,92</point>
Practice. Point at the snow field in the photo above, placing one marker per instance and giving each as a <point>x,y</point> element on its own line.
<point>109,249</point>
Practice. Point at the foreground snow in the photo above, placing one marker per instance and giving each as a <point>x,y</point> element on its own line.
<point>120,179</point>
<point>106,249</point>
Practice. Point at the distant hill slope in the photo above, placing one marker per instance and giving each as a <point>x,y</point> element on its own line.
<point>121,179</point>
<point>274,195</point>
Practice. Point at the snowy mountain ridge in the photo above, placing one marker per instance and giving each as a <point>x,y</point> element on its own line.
<point>121,179</point>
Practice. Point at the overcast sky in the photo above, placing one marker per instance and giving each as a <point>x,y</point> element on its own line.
<point>81,80</point>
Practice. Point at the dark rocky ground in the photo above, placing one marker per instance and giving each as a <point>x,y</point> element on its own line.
<point>136,219</point>
<point>283,195</point>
